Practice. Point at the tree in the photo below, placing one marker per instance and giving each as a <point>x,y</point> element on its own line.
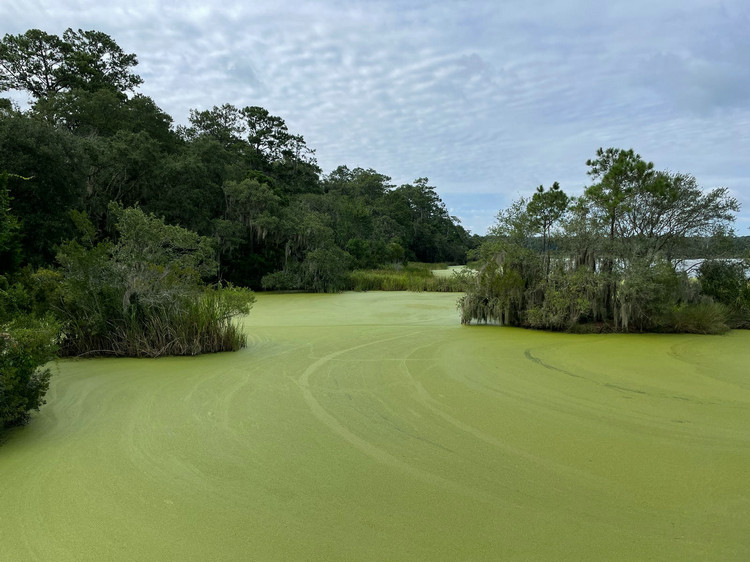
<point>44,65</point>
<point>545,209</point>
<point>93,61</point>
<point>727,283</point>
<point>225,124</point>
<point>33,61</point>
<point>26,343</point>
<point>430,233</point>
<point>55,163</point>
<point>670,207</point>
<point>25,347</point>
<point>10,246</point>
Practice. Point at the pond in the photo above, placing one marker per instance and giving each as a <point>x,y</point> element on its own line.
<point>373,426</point>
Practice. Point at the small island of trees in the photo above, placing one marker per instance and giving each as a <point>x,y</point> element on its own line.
<point>609,259</point>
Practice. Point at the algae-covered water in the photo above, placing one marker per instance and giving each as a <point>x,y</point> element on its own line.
<point>372,426</point>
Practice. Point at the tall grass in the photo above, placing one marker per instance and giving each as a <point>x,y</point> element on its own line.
<point>699,318</point>
<point>416,277</point>
<point>201,323</point>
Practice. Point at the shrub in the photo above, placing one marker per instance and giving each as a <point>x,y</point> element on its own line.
<point>699,318</point>
<point>567,298</point>
<point>481,308</point>
<point>323,270</point>
<point>143,296</point>
<point>726,283</point>
<point>497,293</point>
<point>25,346</point>
<point>645,293</point>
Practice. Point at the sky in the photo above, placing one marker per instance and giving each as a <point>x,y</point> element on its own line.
<point>486,99</point>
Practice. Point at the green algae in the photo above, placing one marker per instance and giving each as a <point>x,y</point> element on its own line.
<point>372,426</point>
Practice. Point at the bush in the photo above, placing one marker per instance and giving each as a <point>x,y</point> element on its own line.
<point>323,270</point>
<point>482,309</point>
<point>283,280</point>
<point>567,299</point>
<point>25,346</point>
<point>200,323</point>
<point>497,293</point>
<point>645,293</point>
<point>143,296</point>
<point>726,283</point>
<point>700,318</point>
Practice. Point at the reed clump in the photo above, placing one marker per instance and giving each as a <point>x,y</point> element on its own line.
<point>415,277</point>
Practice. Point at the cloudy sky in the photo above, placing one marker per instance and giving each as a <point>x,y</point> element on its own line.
<point>486,99</point>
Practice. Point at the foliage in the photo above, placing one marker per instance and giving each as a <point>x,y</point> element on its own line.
<point>44,65</point>
<point>568,299</point>
<point>323,270</point>
<point>10,247</point>
<point>645,291</point>
<point>27,336</point>
<point>47,180</point>
<point>236,174</point>
<point>412,277</point>
<point>726,282</point>
<point>545,209</point>
<point>607,258</point>
<point>697,318</point>
<point>26,345</point>
<point>142,295</point>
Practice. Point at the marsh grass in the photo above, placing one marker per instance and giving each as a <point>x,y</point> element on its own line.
<point>201,323</point>
<point>417,277</point>
<point>699,318</point>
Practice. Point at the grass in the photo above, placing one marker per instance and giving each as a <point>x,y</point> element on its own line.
<point>202,322</point>
<point>417,277</point>
<point>372,426</point>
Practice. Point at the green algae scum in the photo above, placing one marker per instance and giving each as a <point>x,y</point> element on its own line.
<point>372,426</point>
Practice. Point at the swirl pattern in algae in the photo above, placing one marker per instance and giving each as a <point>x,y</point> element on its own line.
<point>372,426</point>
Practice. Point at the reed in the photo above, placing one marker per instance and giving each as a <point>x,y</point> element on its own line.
<point>414,277</point>
<point>201,323</point>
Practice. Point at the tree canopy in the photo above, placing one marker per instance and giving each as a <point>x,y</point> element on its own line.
<point>235,174</point>
<point>43,64</point>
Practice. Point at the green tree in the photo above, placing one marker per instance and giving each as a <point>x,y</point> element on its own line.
<point>55,163</point>
<point>545,209</point>
<point>669,208</point>
<point>33,61</point>
<point>10,245</point>
<point>44,65</point>
<point>225,124</point>
<point>94,61</point>
<point>727,283</point>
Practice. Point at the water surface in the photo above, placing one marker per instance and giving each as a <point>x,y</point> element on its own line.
<point>373,426</point>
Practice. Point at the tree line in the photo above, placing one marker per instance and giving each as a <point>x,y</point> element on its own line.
<point>234,174</point>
